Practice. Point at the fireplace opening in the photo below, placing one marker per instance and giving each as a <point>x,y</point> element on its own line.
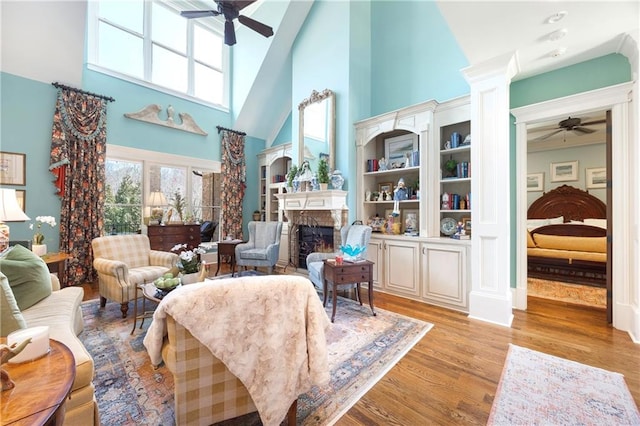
<point>313,239</point>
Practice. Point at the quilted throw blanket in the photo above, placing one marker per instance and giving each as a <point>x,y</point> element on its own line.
<point>268,330</point>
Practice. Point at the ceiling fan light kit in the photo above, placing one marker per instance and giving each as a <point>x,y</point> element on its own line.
<point>230,10</point>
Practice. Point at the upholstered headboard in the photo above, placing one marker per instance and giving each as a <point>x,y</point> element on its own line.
<point>569,202</point>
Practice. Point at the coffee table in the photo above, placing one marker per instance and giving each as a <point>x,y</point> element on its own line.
<point>148,293</point>
<point>42,388</point>
<point>347,273</point>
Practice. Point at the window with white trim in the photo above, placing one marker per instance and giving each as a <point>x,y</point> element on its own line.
<point>150,43</point>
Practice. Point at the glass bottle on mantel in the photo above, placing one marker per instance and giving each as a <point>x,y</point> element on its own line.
<point>337,180</point>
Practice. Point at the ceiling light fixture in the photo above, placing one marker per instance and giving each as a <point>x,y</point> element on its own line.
<point>558,52</point>
<point>557,17</point>
<point>557,35</point>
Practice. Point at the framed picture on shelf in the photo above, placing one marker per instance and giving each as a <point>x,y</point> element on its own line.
<point>385,187</point>
<point>466,225</point>
<point>12,168</point>
<point>21,197</point>
<point>596,178</point>
<point>535,182</point>
<point>398,149</point>
<point>564,172</point>
<point>410,220</point>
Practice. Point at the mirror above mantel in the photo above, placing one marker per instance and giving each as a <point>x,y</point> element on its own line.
<point>316,133</point>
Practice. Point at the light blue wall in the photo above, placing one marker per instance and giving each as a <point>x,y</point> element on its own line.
<point>26,119</point>
<point>414,56</point>
<point>285,135</point>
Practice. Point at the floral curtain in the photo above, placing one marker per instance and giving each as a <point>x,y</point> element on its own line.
<point>78,144</point>
<point>233,183</point>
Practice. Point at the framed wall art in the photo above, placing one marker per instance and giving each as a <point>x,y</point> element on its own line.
<point>564,172</point>
<point>397,149</point>
<point>596,178</point>
<point>12,168</point>
<point>535,182</point>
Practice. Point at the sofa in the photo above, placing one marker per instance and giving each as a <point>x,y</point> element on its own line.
<point>31,297</point>
<point>241,345</point>
<point>123,262</point>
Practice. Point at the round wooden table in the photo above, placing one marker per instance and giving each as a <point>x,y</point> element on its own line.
<point>42,388</point>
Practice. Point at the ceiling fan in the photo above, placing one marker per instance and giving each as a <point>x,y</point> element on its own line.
<point>231,10</point>
<point>574,124</point>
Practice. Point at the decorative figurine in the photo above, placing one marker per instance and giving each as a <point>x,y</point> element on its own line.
<point>382,165</point>
<point>399,194</point>
<point>6,353</point>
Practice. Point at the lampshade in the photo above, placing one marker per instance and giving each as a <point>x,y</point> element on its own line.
<point>157,198</point>
<point>10,211</point>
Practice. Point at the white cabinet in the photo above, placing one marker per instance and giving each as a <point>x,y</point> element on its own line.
<point>375,254</point>
<point>402,267</point>
<point>444,274</point>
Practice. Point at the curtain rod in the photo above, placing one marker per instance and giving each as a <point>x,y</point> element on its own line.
<point>220,128</point>
<point>62,86</point>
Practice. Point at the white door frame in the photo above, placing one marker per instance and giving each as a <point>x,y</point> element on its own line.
<point>615,98</point>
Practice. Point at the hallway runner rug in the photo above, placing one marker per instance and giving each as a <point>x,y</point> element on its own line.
<point>536,388</point>
<point>362,349</point>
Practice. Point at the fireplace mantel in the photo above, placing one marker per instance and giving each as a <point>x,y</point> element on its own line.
<point>334,200</point>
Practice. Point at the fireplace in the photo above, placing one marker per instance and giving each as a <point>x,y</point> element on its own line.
<point>324,210</point>
<point>313,238</point>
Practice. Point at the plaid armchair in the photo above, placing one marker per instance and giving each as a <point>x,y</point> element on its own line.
<point>263,246</point>
<point>123,262</point>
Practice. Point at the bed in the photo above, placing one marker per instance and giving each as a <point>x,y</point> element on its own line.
<point>567,237</point>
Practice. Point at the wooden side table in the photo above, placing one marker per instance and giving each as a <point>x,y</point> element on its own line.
<point>347,273</point>
<point>148,293</point>
<point>42,388</point>
<point>227,248</point>
<point>57,262</point>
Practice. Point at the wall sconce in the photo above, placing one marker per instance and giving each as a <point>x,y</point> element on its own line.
<point>10,211</point>
<point>157,201</point>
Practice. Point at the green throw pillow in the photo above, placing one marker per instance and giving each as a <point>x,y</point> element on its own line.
<point>11,316</point>
<point>28,276</point>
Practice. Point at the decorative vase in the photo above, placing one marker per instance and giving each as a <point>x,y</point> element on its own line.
<point>190,278</point>
<point>39,249</point>
<point>337,180</point>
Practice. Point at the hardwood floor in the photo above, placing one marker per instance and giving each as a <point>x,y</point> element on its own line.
<point>451,375</point>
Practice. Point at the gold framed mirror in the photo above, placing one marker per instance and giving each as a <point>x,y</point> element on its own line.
<point>317,129</point>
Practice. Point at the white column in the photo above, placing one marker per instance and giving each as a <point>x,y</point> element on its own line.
<point>490,297</point>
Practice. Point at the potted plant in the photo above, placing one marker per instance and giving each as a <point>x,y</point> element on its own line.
<point>178,204</point>
<point>293,172</point>
<point>256,215</point>
<point>323,174</point>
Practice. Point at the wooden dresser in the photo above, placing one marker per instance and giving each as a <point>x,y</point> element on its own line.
<point>165,237</point>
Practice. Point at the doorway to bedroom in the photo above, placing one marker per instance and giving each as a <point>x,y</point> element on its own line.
<point>567,202</point>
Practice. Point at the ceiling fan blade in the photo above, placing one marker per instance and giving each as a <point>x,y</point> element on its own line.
<point>593,122</point>
<point>583,130</point>
<point>547,136</point>
<point>239,4</point>
<point>229,33</point>
<point>190,14</point>
<point>256,26</point>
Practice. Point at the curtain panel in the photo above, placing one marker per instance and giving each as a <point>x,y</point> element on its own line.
<point>233,183</point>
<point>78,150</point>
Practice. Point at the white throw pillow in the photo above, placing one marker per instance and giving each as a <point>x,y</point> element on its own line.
<point>556,220</point>
<point>536,223</point>
<point>601,223</point>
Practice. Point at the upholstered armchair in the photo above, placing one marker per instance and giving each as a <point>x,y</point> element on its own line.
<point>350,235</point>
<point>263,246</point>
<point>260,355</point>
<point>123,262</point>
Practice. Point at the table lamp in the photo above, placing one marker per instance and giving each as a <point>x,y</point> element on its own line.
<point>10,211</point>
<point>157,200</point>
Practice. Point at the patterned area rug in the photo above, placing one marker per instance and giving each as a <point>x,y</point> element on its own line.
<point>561,392</point>
<point>362,348</point>
<point>565,292</point>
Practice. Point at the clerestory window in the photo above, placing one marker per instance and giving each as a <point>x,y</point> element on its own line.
<point>149,43</point>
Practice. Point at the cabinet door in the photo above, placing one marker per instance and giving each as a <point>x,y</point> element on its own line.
<point>444,274</point>
<point>402,270</point>
<point>374,254</point>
